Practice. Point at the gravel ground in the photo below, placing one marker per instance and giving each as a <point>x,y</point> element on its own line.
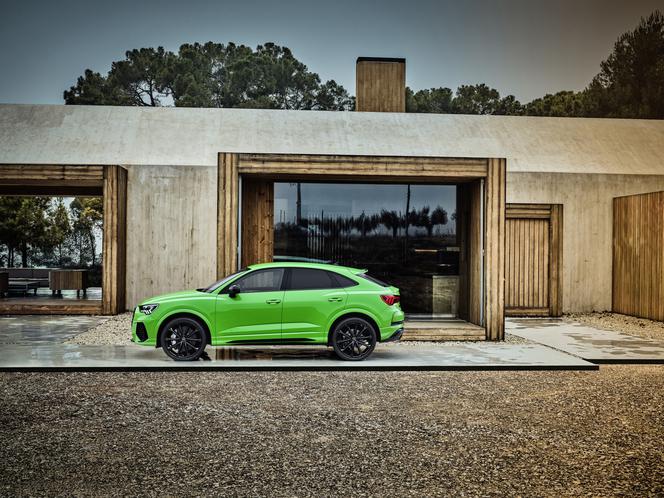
<point>334,434</point>
<point>114,330</point>
<point>639,327</point>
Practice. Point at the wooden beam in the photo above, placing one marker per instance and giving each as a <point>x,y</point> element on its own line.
<point>494,250</point>
<point>51,175</point>
<point>69,190</point>
<point>66,307</point>
<point>115,240</point>
<point>528,211</point>
<point>227,214</point>
<point>361,167</point>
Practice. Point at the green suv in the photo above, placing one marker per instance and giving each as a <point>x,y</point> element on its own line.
<point>275,303</point>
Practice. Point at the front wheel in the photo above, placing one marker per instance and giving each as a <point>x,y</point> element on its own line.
<point>353,339</point>
<point>183,339</point>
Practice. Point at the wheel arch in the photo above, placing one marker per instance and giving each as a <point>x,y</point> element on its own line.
<point>184,314</point>
<point>350,314</point>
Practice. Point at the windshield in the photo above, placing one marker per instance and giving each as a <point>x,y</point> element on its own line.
<point>221,282</point>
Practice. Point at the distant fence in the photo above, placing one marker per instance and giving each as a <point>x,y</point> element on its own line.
<point>638,255</point>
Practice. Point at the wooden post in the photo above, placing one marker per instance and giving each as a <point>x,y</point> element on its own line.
<point>494,250</point>
<point>556,261</point>
<point>115,240</point>
<point>227,214</point>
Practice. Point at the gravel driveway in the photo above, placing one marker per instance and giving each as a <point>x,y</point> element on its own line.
<point>318,434</point>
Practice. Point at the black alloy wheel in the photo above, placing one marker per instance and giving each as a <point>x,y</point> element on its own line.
<point>353,339</point>
<point>183,339</point>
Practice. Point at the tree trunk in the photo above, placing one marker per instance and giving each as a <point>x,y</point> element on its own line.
<point>24,255</point>
<point>93,247</point>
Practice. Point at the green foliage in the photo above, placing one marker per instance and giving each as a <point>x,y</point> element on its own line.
<point>631,81</point>
<point>9,207</point>
<point>435,100</point>
<point>59,230</point>
<point>43,231</point>
<point>87,213</point>
<point>562,104</point>
<point>211,75</point>
<point>629,85</point>
<point>468,99</point>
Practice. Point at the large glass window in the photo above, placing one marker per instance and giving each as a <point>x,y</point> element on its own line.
<point>404,234</point>
<point>51,249</point>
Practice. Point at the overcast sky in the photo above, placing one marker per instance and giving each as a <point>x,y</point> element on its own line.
<point>524,47</point>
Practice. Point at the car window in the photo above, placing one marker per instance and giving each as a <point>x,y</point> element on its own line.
<point>219,283</point>
<point>310,278</point>
<point>373,279</point>
<point>261,280</point>
<point>344,281</point>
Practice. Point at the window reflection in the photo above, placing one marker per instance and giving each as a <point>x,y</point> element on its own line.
<point>404,234</point>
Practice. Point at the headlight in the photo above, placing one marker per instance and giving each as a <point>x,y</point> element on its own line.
<point>147,309</point>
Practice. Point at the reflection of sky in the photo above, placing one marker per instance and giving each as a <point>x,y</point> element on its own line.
<point>350,199</point>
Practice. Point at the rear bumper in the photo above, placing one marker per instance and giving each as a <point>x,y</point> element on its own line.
<point>396,336</point>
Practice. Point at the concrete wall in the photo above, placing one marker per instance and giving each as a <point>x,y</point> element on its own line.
<point>179,136</point>
<point>171,229</point>
<point>587,226</point>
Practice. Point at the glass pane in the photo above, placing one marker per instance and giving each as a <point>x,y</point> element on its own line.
<point>262,281</point>
<point>404,234</point>
<point>307,278</point>
<point>51,249</point>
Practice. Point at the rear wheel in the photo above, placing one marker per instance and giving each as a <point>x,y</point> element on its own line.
<point>183,339</point>
<point>353,339</point>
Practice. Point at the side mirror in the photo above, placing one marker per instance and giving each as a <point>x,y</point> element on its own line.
<point>233,290</point>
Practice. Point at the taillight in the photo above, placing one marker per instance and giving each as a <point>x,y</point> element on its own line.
<point>390,299</point>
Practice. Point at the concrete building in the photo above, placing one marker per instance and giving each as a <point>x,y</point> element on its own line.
<point>209,190</point>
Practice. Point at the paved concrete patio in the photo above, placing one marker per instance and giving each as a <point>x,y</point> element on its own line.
<point>43,329</point>
<point>469,356</point>
<point>592,344</point>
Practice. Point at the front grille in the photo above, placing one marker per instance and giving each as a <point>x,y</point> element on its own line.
<point>141,333</point>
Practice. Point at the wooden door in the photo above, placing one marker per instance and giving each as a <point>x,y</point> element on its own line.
<point>533,260</point>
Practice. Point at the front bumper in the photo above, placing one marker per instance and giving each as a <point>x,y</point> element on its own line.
<point>143,329</point>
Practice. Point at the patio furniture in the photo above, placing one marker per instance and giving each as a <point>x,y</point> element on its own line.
<point>23,285</point>
<point>68,280</point>
<point>37,275</point>
<point>4,283</point>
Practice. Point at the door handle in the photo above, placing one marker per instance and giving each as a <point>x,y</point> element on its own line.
<point>334,299</point>
<point>273,301</point>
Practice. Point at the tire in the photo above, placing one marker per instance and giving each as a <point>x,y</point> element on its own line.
<point>183,339</point>
<point>353,339</point>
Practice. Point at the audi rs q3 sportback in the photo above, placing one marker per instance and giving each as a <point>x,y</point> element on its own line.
<point>275,303</point>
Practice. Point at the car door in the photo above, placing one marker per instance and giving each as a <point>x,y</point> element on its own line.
<point>254,314</point>
<point>311,300</point>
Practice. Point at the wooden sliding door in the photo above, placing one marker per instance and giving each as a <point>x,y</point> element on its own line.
<point>533,263</point>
